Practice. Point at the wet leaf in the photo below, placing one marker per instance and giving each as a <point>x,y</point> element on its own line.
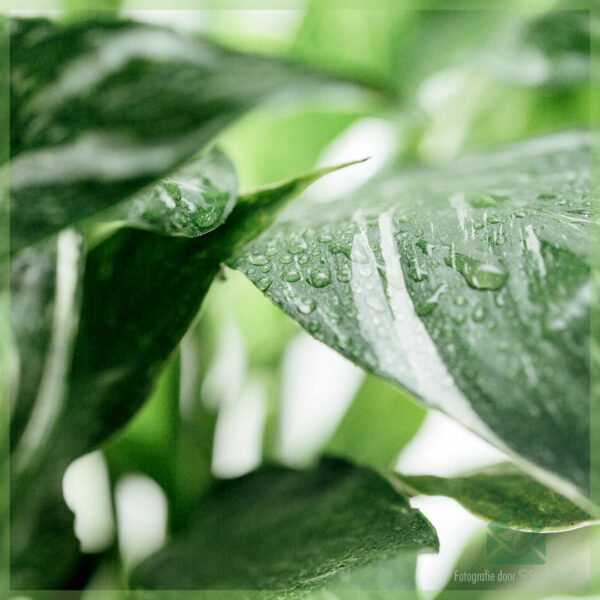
<point>102,108</point>
<point>280,529</point>
<point>504,495</point>
<point>467,285</point>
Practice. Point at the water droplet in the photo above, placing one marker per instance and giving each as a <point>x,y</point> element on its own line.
<point>264,283</point>
<point>546,196</point>
<point>501,239</point>
<point>478,225</point>
<point>426,247</point>
<point>478,314</point>
<point>258,259</point>
<point>375,303</point>
<point>266,268</point>
<point>344,275</point>
<point>419,233</point>
<point>324,238</point>
<point>291,275</point>
<point>302,260</point>
<point>297,246</point>
<point>416,273</point>
<point>286,259</point>
<point>358,255</point>
<point>428,305</point>
<point>319,278</point>
<point>479,274</point>
<point>306,305</point>
<point>494,220</point>
<point>459,318</point>
<point>343,341</point>
<point>314,326</point>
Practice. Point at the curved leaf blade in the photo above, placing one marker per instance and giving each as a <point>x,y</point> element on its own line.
<point>504,495</point>
<point>287,530</point>
<point>467,285</point>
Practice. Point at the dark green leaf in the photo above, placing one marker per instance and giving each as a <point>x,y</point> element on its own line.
<point>281,529</point>
<point>467,285</point>
<point>503,494</point>
<point>101,108</point>
<point>141,292</point>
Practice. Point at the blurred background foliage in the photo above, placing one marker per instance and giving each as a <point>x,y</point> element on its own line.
<point>244,387</point>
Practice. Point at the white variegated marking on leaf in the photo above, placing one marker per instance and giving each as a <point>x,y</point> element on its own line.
<point>533,245</point>
<point>64,326</point>
<point>411,356</point>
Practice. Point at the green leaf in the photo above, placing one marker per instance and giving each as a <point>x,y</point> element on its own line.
<point>287,530</point>
<point>194,200</point>
<point>141,292</point>
<point>504,495</point>
<point>380,421</point>
<point>102,108</point>
<point>467,285</point>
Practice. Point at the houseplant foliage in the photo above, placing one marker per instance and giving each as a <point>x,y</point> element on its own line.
<point>464,284</point>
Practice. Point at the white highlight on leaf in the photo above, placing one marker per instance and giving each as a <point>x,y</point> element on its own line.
<point>458,203</point>
<point>95,156</point>
<point>533,245</point>
<point>49,399</point>
<point>86,489</point>
<point>141,517</point>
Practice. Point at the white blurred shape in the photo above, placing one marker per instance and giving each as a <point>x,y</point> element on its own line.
<point>86,490</point>
<point>238,443</point>
<point>455,526</point>
<point>141,517</point>
<point>225,377</point>
<point>371,138</point>
<point>443,447</point>
<point>439,88</point>
<point>318,386</point>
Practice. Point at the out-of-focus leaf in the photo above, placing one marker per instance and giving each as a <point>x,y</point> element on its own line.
<point>504,495</point>
<point>380,421</point>
<point>467,285</point>
<point>291,531</point>
<point>548,49</point>
<point>101,108</point>
<point>141,292</point>
<point>194,200</point>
